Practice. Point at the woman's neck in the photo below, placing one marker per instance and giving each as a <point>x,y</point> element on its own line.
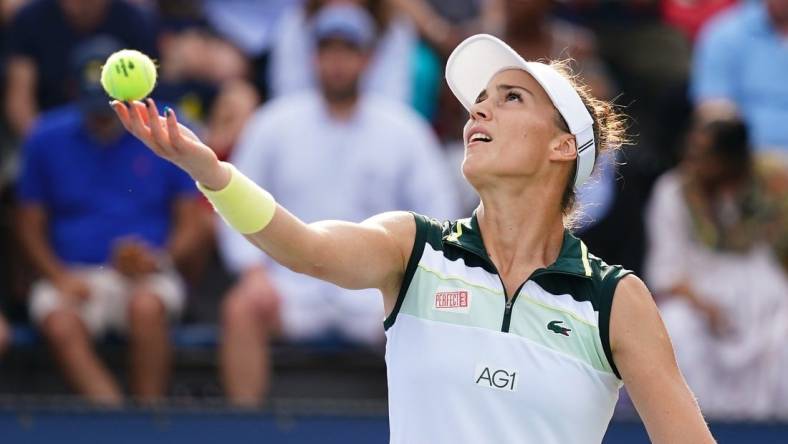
<point>522,230</point>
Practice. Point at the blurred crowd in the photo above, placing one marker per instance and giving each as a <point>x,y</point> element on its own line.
<point>339,109</point>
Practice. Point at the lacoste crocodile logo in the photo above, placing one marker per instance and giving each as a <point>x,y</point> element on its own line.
<point>555,328</point>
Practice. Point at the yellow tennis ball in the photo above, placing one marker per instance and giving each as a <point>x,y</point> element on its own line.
<point>128,75</point>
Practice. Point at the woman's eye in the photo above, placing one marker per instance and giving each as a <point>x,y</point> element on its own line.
<point>512,96</point>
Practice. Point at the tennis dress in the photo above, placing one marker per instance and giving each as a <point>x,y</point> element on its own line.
<point>467,364</point>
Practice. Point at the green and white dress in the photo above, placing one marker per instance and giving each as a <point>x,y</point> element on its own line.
<point>468,364</point>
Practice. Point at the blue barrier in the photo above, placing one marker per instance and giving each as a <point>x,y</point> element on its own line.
<point>184,336</point>
<point>190,336</point>
<point>172,427</point>
<point>135,428</point>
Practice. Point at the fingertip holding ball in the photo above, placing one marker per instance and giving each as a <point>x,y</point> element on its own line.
<point>128,75</point>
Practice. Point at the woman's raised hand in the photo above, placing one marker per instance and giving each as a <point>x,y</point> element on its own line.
<point>173,141</point>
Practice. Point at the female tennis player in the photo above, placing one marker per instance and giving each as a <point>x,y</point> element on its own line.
<point>501,327</point>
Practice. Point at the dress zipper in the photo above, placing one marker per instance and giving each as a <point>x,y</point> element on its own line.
<point>507,312</point>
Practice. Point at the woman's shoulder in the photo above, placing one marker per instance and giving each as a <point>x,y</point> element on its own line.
<point>605,279</point>
<point>601,270</point>
<point>433,229</point>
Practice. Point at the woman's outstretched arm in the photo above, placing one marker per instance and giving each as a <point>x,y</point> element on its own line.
<point>370,254</point>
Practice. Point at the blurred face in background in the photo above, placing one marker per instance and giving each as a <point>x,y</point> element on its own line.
<point>527,11</point>
<point>103,127</point>
<point>374,7</point>
<point>778,9</point>
<point>711,170</point>
<point>340,65</point>
<point>193,54</point>
<point>99,119</point>
<point>84,14</point>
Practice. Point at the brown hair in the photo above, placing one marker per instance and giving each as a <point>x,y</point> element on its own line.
<point>609,126</point>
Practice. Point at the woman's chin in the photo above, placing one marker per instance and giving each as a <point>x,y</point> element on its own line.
<point>472,170</point>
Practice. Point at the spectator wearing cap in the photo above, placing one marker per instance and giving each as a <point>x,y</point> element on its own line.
<point>389,72</point>
<point>104,221</point>
<point>43,34</point>
<point>741,57</point>
<point>333,153</point>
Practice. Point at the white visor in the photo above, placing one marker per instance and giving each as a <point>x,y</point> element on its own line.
<point>480,57</point>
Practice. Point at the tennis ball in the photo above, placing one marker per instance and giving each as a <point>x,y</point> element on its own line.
<point>128,75</point>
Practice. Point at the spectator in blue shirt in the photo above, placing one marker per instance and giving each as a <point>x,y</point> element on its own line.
<point>742,57</point>
<point>43,34</point>
<point>104,221</point>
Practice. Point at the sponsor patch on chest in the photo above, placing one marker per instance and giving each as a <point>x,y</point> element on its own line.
<point>452,300</point>
<point>495,378</point>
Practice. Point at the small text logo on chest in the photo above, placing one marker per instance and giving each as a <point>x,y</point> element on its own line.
<point>452,300</point>
<point>496,378</point>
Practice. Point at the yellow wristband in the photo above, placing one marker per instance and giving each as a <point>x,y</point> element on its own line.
<point>242,203</point>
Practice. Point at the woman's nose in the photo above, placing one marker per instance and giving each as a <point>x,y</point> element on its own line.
<point>480,111</point>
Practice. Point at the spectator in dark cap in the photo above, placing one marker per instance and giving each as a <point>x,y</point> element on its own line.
<point>105,222</point>
<point>40,39</point>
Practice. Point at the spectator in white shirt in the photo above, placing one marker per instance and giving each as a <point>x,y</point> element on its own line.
<point>332,153</point>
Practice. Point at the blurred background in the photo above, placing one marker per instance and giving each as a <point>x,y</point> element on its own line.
<point>129,312</point>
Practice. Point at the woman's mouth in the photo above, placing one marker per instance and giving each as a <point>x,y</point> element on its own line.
<point>479,137</point>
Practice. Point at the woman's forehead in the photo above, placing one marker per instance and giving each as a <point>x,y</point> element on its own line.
<point>518,78</point>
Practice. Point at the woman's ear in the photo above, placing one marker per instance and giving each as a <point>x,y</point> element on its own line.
<point>563,148</point>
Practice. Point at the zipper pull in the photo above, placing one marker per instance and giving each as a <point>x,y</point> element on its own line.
<point>509,304</point>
